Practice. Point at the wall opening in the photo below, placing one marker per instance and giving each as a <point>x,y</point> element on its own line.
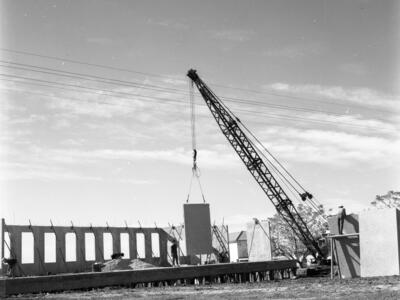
<point>124,237</point>
<point>27,251</point>
<point>49,247</point>
<point>90,250</point>
<point>70,246</point>
<point>7,245</point>
<point>155,244</point>
<point>107,245</point>
<point>169,244</point>
<point>141,250</point>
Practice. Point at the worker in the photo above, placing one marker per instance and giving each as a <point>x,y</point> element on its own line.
<point>174,252</point>
<point>341,216</point>
<point>11,263</point>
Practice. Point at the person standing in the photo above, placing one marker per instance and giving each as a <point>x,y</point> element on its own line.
<point>11,263</point>
<point>341,216</point>
<point>174,253</point>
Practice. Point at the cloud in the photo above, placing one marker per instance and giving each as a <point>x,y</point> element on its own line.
<point>359,95</point>
<point>338,149</point>
<point>62,123</point>
<point>72,142</point>
<point>168,24</point>
<point>233,35</point>
<point>210,158</point>
<point>99,40</point>
<point>294,51</point>
<point>355,123</point>
<point>96,106</point>
<point>136,181</point>
<point>175,80</point>
<point>27,171</point>
<point>353,68</point>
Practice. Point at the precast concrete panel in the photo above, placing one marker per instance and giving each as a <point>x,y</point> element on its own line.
<point>233,252</point>
<point>346,248</point>
<point>197,228</point>
<point>258,241</point>
<point>379,242</point>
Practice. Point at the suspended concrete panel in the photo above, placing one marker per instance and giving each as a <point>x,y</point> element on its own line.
<point>379,242</point>
<point>197,228</point>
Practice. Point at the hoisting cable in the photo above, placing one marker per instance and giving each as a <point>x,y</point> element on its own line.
<point>195,168</point>
<point>311,202</point>
<point>304,195</point>
<point>255,146</point>
<point>283,177</point>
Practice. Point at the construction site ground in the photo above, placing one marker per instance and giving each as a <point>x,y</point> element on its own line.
<point>301,288</point>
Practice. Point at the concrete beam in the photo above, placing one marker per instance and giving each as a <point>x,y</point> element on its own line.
<point>42,284</point>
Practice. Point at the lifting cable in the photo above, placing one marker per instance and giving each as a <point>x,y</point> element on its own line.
<point>304,195</point>
<point>195,168</point>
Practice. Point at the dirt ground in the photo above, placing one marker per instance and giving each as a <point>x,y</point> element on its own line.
<point>302,288</point>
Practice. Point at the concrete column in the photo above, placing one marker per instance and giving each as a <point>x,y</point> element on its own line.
<point>116,234</point>
<point>132,244</point>
<point>38,248</point>
<point>147,244</point>
<point>60,250</point>
<point>99,244</point>
<point>163,247</point>
<point>80,248</point>
<point>16,244</point>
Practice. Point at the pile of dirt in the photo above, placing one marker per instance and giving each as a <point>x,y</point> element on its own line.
<point>137,264</point>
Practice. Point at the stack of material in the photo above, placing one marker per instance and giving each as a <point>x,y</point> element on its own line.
<point>137,264</point>
<point>125,264</point>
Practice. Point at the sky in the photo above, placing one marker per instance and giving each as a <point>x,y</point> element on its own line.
<point>95,119</point>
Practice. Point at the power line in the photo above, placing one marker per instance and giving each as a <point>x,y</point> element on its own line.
<point>157,88</point>
<point>151,87</point>
<point>82,63</point>
<point>95,78</point>
<point>169,77</point>
<point>97,101</point>
<point>319,100</point>
<point>282,177</point>
<point>152,98</point>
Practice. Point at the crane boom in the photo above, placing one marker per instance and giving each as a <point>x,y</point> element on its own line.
<point>244,147</point>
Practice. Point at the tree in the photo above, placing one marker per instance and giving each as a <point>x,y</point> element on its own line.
<point>286,243</point>
<point>391,199</point>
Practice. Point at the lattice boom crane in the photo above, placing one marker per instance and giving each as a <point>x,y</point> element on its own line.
<point>243,146</point>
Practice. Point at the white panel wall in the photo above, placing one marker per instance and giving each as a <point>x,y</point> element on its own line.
<point>258,242</point>
<point>379,243</point>
<point>233,252</point>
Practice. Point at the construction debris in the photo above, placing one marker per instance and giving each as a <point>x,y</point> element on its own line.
<point>124,264</point>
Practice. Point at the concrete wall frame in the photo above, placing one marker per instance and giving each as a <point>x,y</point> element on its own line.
<point>38,266</point>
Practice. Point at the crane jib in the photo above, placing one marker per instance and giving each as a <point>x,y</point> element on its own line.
<point>243,146</point>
